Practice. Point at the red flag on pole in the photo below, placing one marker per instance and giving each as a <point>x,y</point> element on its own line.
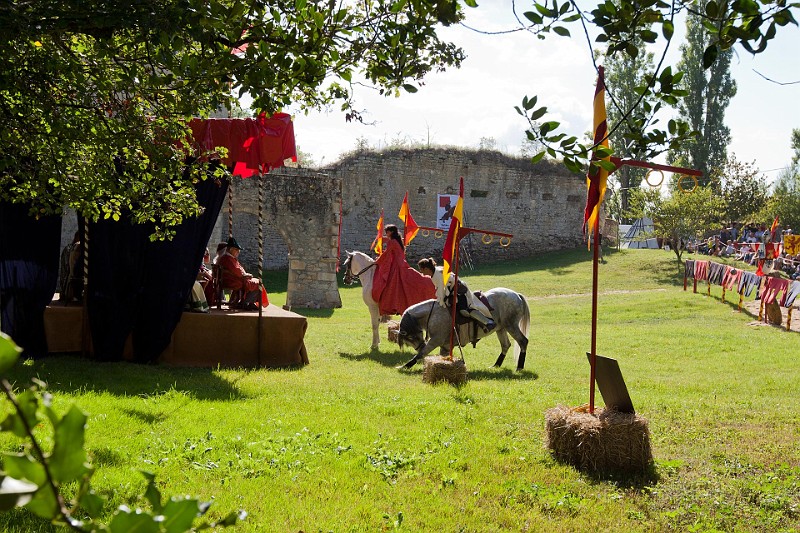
<point>774,228</point>
<point>597,176</point>
<point>377,244</point>
<point>411,229</point>
<point>456,222</point>
<point>264,297</point>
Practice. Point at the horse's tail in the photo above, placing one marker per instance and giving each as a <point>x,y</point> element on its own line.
<point>524,323</point>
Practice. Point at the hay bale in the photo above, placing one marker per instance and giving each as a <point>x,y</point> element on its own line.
<point>437,368</point>
<point>606,442</point>
<point>393,328</point>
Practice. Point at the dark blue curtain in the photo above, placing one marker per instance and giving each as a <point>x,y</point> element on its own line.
<point>29,253</point>
<point>140,287</point>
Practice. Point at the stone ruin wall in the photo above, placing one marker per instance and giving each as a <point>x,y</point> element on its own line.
<point>542,205</point>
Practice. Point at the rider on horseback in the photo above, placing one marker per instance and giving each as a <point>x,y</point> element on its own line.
<point>466,303</point>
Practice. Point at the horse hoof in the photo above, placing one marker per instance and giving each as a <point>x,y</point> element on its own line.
<point>497,365</point>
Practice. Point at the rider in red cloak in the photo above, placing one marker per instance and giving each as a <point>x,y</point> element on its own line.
<point>396,286</point>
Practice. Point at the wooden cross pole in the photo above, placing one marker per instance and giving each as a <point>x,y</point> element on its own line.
<point>462,232</point>
<point>619,163</point>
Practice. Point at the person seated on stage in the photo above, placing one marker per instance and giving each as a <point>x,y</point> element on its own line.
<point>466,303</point>
<point>396,286</point>
<point>221,247</point>
<point>206,278</point>
<point>235,277</point>
<point>70,285</point>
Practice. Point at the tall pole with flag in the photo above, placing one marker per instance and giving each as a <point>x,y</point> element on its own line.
<point>377,244</point>
<point>450,254</point>
<point>410,228</point>
<point>596,180</point>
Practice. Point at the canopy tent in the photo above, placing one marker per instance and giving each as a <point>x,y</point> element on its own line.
<point>135,287</point>
<point>639,235</point>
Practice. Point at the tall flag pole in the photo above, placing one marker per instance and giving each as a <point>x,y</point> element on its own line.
<point>450,255</point>
<point>377,244</point>
<point>451,244</point>
<point>410,228</point>
<point>596,179</point>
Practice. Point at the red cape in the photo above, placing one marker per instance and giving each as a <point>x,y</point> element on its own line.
<point>396,286</point>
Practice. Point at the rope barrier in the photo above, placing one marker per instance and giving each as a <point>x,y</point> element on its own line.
<point>230,209</point>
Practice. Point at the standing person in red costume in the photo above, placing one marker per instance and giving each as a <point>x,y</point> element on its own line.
<point>235,277</point>
<point>396,286</point>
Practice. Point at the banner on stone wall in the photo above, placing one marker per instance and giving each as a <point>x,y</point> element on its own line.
<point>444,210</point>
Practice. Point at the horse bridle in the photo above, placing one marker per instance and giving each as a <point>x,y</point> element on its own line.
<point>350,278</point>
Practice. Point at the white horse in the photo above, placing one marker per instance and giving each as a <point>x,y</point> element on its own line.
<point>360,266</point>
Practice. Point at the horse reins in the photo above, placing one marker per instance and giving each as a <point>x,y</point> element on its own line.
<point>349,274</point>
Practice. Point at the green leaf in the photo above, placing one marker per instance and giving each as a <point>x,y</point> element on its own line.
<point>538,157</point>
<point>179,514</point>
<point>548,126</point>
<point>409,88</point>
<point>539,113</point>
<point>533,17</point>
<point>564,32</point>
<point>28,412</point>
<point>91,503</point>
<point>667,29</point>
<point>9,353</point>
<point>709,56</point>
<point>606,165</point>
<point>44,503</point>
<point>68,460</point>
<point>15,492</point>
<point>127,521</point>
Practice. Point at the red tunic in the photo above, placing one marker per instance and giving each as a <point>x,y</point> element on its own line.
<point>233,275</point>
<point>396,286</point>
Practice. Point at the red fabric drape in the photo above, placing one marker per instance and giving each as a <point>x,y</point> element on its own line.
<point>396,286</point>
<point>251,143</point>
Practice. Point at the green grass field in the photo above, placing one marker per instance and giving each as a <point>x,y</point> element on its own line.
<point>349,443</point>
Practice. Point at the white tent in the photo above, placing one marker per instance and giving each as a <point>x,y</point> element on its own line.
<point>639,235</point>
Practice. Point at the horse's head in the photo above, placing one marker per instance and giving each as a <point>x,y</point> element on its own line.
<point>348,278</point>
<point>356,261</point>
<point>410,333</point>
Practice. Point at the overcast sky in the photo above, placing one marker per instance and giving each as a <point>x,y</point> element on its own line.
<point>459,107</point>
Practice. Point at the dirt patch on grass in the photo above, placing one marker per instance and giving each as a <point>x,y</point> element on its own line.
<point>751,307</point>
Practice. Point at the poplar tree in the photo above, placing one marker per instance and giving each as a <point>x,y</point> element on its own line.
<point>626,80</point>
<point>709,91</point>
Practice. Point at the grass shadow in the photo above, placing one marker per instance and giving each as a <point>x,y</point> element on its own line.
<point>70,374</point>
<point>391,359</point>
<point>312,313</point>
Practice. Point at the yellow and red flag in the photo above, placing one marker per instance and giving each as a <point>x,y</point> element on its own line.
<point>774,228</point>
<point>410,226</point>
<point>450,254</point>
<point>377,244</point>
<point>597,176</point>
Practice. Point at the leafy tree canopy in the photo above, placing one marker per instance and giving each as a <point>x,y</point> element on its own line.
<point>681,216</point>
<point>95,96</point>
<point>620,26</point>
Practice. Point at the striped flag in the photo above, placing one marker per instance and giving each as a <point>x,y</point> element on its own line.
<point>597,176</point>
<point>450,246</point>
<point>774,228</point>
<point>377,244</point>
<point>410,226</point>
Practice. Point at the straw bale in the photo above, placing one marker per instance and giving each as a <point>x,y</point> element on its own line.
<point>606,442</point>
<point>393,328</point>
<point>437,368</point>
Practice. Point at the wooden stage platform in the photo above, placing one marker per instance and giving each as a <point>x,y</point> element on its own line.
<point>219,338</point>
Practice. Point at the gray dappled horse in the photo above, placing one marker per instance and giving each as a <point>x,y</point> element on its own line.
<point>509,310</point>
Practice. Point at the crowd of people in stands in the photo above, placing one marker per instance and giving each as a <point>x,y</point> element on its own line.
<point>750,243</point>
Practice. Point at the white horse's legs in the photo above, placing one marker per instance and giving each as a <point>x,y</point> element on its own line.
<point>375,318</point>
